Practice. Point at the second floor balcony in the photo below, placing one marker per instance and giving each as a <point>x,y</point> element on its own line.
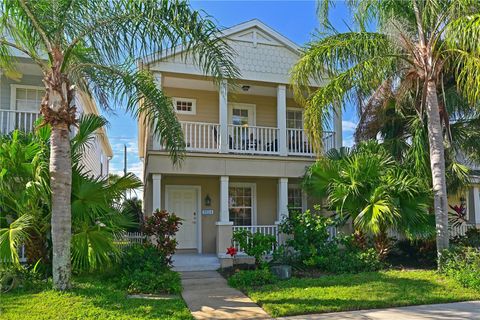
<point>241,139</point>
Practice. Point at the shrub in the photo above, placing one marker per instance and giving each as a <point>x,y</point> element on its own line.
<point>255,244</point>
<point>21,277</point>
<point>145,270</point>
<point>470,239</point>
<point>463,265</point>
<point>309,234</point>
<point>418,253</point>
<point>251,278</point>
<point>163,226</point>
<point>348,261</point>
<point>163,280</point>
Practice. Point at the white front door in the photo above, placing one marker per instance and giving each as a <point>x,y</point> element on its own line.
<point>183,201</point>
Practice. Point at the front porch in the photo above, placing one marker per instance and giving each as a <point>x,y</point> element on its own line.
<point>213,207</point>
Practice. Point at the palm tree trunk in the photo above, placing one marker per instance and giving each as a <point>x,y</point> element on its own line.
<point>437,163</point>
<point>58,111</point>
<point>60,183</point>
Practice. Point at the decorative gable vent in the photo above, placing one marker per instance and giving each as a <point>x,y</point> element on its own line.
<point>255,36</point>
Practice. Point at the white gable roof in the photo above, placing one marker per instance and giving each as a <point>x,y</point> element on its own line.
<point>262,54</point>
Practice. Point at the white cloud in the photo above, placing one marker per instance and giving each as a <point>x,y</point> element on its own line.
<point>349,126</point>
<point>348,142</point>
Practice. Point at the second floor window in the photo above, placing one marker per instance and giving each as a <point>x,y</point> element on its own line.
<point>185,105</point>
<point>294,119</point>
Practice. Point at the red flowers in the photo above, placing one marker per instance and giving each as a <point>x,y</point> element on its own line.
<point>232,251</point>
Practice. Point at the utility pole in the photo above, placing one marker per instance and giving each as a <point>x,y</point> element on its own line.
<point>124,159</point>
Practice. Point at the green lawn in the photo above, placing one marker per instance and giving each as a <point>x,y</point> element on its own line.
<point>91,299</point>
<point>358,291</point>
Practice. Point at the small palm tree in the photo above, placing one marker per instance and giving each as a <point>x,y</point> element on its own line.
<point>418,45</point>
<point>25,200</point>
<point>376,192</point>
<point>90,46</point>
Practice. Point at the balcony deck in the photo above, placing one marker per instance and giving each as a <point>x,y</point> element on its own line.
<point>205,137</point>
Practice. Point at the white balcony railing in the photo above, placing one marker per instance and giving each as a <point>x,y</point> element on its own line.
<point>266,229</point>
<point>299,144</point>
<point>21,120</point>
<point>253,139</point>
<point>200,136</point>
<point>205,137</point>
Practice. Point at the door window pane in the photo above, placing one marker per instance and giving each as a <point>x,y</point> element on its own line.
<point>295,119</point>
<point>295,199</point>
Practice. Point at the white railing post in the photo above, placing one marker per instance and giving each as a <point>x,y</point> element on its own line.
<point>223,115</point>
<point>282,119</point>
<point>156,192</point>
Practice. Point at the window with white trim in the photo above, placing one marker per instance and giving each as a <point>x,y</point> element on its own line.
<point>185,105</point>
<point>241,204</point>
<point>295,199</point>
<point>294,119</point>
<point>28,98</point>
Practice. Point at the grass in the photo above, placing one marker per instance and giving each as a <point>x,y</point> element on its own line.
<point>368,290</point>
<point>91,298</point>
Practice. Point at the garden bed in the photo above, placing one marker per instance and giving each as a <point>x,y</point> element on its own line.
<point>368,290</point>
<point>91,298</point>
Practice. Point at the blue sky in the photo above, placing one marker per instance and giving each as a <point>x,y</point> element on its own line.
<point>294,19</point>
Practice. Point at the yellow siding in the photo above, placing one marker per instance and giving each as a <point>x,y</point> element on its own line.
<point>207,104</point>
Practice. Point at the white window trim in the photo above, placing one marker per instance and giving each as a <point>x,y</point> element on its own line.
<point>13,93</point>
<point>304,195</point>
<point>253,186</point>
<point>198,220</point>
<point>235,105</point>
<point>194,105</point>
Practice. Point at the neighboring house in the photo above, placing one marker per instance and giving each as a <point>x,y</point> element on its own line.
<point>20,98</point>
<point>246,147</point>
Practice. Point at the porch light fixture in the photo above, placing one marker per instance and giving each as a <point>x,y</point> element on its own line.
<point>245,88</point>
<point>208,201</point>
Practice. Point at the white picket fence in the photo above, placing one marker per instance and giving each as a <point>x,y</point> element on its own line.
<point>265,229</point>
<point>127,239</point>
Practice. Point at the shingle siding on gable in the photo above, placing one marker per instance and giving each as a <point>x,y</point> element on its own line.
<point>263,58</point>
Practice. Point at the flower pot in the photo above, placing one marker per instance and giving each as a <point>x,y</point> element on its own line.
<point>282,271</point>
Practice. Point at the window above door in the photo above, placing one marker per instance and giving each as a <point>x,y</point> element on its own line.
<point>185,105</point>
<point>294,118</point>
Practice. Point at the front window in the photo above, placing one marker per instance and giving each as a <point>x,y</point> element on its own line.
<point>241,205</point>
<point>240,117</point>
<point>185,106</point>
<point>295,201</point>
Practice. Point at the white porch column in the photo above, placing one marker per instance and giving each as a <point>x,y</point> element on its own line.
<point>282,199</point>
<point>337,127</point>
<point>282,119</point>
<point>476,205</point>
<point>156,191</point>
<point>224,215</point>
<point>223,115</point>
<point>155,138</point>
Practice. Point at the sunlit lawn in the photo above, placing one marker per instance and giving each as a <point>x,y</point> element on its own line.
<point>90,299</point>
<point>360,291</point>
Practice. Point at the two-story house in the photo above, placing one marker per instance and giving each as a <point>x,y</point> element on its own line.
<point>246,146</point>
<point>20,97</point>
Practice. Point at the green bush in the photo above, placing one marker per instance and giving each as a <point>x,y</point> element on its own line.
<point>163,280</point>
<point>145,270</point>
<point>21,277</point>
<point>251,278</point>
<point>347,261</point>
<point>309,234</point>
<point>463,265</point>
<point>255,244</point>
<point>470,239</point>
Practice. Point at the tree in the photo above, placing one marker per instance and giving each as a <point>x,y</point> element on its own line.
<point>416,45</point>
<point>25,201</point>
<point>90,46</point>
<point>379,194</point>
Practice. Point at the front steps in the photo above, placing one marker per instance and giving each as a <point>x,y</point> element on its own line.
<point>195,262</point>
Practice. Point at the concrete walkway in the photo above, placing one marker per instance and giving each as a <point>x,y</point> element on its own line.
<point>208,296</point>
<point>451,311</point>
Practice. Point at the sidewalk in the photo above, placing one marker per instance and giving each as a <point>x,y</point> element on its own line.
<point>208,296</point>
<point>451,311</point>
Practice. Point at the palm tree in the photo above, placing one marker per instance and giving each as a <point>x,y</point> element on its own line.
<point>25,200</point>
<point>367,185</point>
<point>89,46</point>
<point>418,44</point>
